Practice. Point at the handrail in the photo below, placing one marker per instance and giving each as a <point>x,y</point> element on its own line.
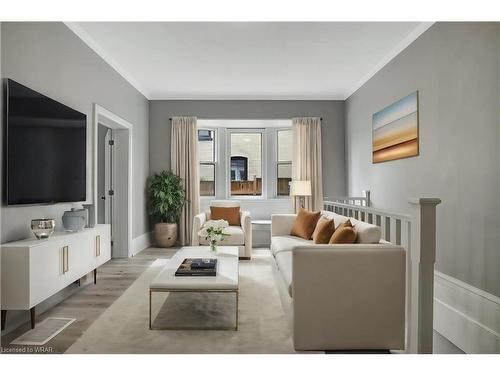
<point>416,233</point>
<point>366,209</point>
<point>351,199</point>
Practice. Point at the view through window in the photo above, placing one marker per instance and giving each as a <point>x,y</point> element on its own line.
<point>206,150</point>
<point>246,163</point>
<point>284,162</point>
<point>245,158</point>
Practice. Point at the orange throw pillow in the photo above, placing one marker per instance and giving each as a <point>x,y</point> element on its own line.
<point>230,214</point>
<point>344,234</point>
<point>305,223</point>
<point>324,230</point>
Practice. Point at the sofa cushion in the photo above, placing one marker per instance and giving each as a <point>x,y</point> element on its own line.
<point>286,243</point>
<point>230,214</point>
<point>236,237</point>
<point>324,230</point>
<point>304,223</point>
<point>366,232</point>
<point>284,262</point>
<point>344,234</point>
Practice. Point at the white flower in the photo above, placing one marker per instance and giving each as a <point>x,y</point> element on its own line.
<point>214,230</point>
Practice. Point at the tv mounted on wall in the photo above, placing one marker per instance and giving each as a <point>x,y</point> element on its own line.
<point>45,149</point>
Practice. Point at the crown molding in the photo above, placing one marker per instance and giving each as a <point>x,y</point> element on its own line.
<point>277,97</point>
<point>401,46</point>
<point>87,39</point>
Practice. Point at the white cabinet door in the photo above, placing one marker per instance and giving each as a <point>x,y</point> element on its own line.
<point>15,278</point>
<point>102,245</point>
<point>79,260</point>
<point>46,270</point>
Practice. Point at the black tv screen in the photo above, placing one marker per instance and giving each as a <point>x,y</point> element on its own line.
<point>45,149</point>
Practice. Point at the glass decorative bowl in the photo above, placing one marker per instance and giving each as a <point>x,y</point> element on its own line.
<point>43,228</point>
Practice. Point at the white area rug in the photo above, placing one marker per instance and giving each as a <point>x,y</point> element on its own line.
<point>263,326</point>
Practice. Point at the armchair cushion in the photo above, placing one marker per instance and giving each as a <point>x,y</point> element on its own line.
<point>230,214</point>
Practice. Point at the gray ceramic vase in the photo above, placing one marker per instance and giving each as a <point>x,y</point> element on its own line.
<point>74,220</point>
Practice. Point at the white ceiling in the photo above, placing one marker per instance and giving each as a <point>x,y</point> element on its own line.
<point>240,60</point>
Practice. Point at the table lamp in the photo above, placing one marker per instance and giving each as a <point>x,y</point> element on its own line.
<point>300,189</point>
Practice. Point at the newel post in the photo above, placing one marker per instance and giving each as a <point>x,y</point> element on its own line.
<point>421,275</point>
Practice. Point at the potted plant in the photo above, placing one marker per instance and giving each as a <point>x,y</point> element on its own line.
<point>167,197</point>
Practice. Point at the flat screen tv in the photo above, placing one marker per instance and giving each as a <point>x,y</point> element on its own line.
<point>45,149</point>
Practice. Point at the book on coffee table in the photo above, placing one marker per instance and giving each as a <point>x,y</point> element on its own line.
<point>197,267</point>
<point>203,262</point>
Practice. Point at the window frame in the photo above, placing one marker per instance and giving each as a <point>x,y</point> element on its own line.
<point>213,163</point>
<point>277,162</point>
<point>263,162</point>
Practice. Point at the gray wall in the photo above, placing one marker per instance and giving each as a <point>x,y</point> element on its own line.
<point>455,67</point>
<point>332,128</point>
<point>51,59</point>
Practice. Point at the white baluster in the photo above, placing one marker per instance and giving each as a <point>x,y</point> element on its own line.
<point>393,230</point>
<point>423,257</point>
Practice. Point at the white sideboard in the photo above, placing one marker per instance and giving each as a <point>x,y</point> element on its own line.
<point>33,270</point>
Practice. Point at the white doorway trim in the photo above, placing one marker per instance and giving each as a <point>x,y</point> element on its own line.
<point>113,121</point>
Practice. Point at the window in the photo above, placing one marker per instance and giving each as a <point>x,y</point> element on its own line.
<point>245,158</point>
<point>239,168</point>
<point>283,162</point>
<point>206,151</point>
<point>246,163</point>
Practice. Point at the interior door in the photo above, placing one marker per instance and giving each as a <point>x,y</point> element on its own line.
<point>108,180</point>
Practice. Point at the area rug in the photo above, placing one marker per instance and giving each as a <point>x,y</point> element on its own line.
<point>263,326</point>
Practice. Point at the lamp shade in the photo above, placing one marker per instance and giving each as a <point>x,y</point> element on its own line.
<point>300,188</point>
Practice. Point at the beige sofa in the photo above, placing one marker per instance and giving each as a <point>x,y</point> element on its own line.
<point>240,236</point>
<point>345,297</point>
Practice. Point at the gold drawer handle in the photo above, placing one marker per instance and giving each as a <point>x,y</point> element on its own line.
<point>65,259</point>
<point>97,245</point>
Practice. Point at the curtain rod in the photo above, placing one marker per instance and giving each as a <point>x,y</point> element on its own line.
<point>267,119</point>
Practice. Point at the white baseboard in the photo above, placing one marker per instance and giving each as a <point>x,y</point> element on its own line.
<point>141,242</point>
<point>467,316</point>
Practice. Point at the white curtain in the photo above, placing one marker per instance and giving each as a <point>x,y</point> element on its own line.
<point>184,163</point>
<point>306,159</point>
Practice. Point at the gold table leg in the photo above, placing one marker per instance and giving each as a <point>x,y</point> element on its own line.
<point>235,328</point>
<point>237,310</point>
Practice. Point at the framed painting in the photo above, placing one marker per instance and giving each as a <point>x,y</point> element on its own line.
<point>395,130</point>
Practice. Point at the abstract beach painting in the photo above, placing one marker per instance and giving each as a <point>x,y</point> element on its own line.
<point>395,130</point>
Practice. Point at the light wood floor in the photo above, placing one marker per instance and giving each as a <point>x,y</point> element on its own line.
<point>90,301</point>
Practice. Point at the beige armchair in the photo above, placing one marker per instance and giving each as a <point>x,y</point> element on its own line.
<point>240,236</point>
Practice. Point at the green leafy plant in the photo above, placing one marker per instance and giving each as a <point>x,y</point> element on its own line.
<point>167,197</point>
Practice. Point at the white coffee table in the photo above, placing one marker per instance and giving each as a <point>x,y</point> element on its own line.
<point>226,279</point>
